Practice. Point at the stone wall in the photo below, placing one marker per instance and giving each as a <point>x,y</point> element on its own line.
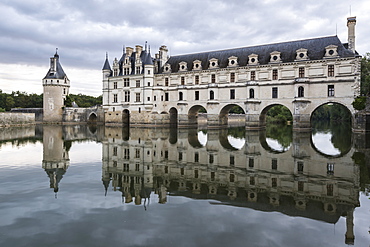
<point>38,112</point>
<point>16,119</point>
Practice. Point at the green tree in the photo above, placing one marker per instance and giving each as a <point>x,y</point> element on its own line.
<point>365,74</point>
<point>9,102</point>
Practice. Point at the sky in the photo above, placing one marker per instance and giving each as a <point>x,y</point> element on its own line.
<point>84,31</point>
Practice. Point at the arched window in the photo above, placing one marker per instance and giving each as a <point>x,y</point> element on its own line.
<point>181,96</point>
<point>301,91</point>
<point>211,95</point>
<point>251,93</point>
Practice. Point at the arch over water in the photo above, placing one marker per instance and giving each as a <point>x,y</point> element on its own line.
<point>193,113</point>
<point>332,103</point>
<point>92,118</point>
<point>263,114</point>
<point>173,116</point>
<point>224,113</point>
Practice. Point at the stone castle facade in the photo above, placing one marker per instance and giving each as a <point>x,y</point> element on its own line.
<point>302,75</point>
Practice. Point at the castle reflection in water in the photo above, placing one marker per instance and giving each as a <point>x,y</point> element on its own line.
<point>137,162</point>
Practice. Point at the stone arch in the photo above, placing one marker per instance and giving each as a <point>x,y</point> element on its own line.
<point>92,119</point>
<point>262,117</point>
<point>267,147</point>
<point>173,116</point>
<point>126,117</point>
<point>224,112</point>
<point>333,102</point>
<point>193,114</point>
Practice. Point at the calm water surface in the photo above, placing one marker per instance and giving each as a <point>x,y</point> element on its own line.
<point>100,186</point>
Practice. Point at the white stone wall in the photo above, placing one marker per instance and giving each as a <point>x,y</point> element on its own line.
<point>14,119</point>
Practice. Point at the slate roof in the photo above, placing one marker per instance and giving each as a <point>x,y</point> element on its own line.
<point>106,65</point>
<point>145,58</point>
<point>316,50</point>
<point>59,72</point>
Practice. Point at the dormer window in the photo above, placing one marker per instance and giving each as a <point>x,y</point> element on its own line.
<point>301,54</point>
<point>253,59</point>
<point>197,65</point>
<point>233,61</point>
<point>183,66</point>
<point>167,68</point>
<point>213,63</point>
<point>275,57</point>
<point>331,51</point>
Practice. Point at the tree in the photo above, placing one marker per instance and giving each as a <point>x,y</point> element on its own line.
<point>9,101</point>
<point>365,74</point>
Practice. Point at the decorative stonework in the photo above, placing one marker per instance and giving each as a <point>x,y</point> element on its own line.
<point>183,66</point>
<point>167,68</point>
<point>233,61</point>
<point>253,59</point>
<point>331,51</point>
<point>302,54</point>
<point>213,63</point>
<point>197,65</point>
<point>275,57</point>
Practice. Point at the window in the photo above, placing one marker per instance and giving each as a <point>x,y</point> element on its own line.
<point>252,181</point>
<point>300,167</point>
<point>251,93</point>
<point>182,80</point>
<point>232,178</point>
<point>127,96</point>
<point>232,77</point>
<point>301,72</point>
<point>126,167</point>
<point>126,153</point>
<point>196,157</point>
<point>274,74</point>
<point>115,72</point>
<point>180,96</point>
<point>166,154</point>
<point>211,95</point>
<point>115,149</point>
<point>213,78</point>
<point>137,83</point>
<point>232,160</point>
<point>330,90</point>
<point>300,185</point>
<point>274,164</point>
<point>274,92</point>
<point>148,71</point>
<point>138,70</point>
<point>211,159</point>
<point>115,98</point>
<point>251,162</point>
<point>115,85</point>
<point>166,97</point>
<point>274,182</point>
<point>331,70</point>
<point>197,79</point>
<point>155,98</point>
<point>213,176</point>
<point>166,169</point>
<point>300,91</point>
<point>232,93</point>
<point>166,82</point>
<point>180,156</point>
<point>196,174</point>
<point>126,71</point>
<point>329,189</point>
<point>330,168</point>
<point>126,82</point>
<point>137,153</point>
<point>137,98</point>
<point>182,171</point>
<point>253,75</point>
<point>196,95</point>
<point>64,91</point>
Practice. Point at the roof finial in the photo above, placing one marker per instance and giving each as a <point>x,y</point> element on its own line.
<point>124,49</point>
<point>149,48</point>
<point>106,55</point>
<point>146,43</point>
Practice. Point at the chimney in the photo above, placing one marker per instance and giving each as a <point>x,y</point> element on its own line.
<point>139,49</point>
<point>129,51</point>
<point>163,51</point>
<point>350,237</point>
<point>351,23</point>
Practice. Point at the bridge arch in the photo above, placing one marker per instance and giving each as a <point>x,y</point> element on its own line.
<point>263,113</point>
<point>193,114</point>
<point>173,116</point>
<point>332,103</point>
<point>224,112</point>
<point>92,119</point>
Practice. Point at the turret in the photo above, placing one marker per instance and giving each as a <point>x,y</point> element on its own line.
<point>56,88</point>
<point>106,68</point>
<point>351,23</point>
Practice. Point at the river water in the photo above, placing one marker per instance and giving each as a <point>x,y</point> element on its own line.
<point>110,186</point>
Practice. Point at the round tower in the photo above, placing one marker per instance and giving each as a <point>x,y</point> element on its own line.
<point>56,88</point>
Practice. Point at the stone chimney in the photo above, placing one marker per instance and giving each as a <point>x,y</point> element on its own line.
<point>129,51</point>
<point>138,50</point>
<point>350,236</point>
<point>351,23</point>
<point>163,55</point>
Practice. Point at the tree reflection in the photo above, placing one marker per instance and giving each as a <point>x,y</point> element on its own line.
<point>281,133</point>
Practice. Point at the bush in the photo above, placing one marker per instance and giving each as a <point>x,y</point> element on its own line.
<point>2,110</point>
<point>359,103</point>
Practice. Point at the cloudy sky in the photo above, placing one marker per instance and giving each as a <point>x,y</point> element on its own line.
<point>83,31</point>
